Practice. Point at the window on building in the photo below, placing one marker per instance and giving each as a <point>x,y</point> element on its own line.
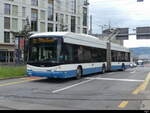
<point>85,2</point>
<point>50,10</point>
<point>15,10</point>
<point>78,30</point>
<point>61,18</point>
<point>24,12</point>
<point>14,24</point>
<point>50,27</point>
<point>73,6</point>
<point>42,27</point>
<point>34,2</point>
<point>6,37</point>
<point>34,19</point>
<point>42,3</point>
<point>85,30</point>
<point>6,23</point>
<point>3,55</point>
<point>73,24</point>
<point>34,14</point>
<point>42,15</point>
<point>34,26</point>
<point>23,1</point>
<point>62,27</point>
<point>84,16</point>
<point>23,23</point>
<point>56,17</point>
<point>79,21</point>
<point>66,19</point>
<point>56,29</point>
<point>7,9</point>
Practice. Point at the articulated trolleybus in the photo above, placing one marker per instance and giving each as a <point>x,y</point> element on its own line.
<point>66,55</point>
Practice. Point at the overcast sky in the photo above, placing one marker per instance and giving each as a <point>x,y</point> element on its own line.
<point>121,13</point>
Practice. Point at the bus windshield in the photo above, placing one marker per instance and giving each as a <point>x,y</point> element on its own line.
<point>44,50</point>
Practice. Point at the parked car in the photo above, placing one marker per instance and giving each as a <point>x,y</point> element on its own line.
<point>132,65</point>
<point>140,63</point>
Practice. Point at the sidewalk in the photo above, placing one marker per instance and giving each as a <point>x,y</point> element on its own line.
<point>145,104</point>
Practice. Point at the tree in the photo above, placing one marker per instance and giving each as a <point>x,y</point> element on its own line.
<point>24,34</point>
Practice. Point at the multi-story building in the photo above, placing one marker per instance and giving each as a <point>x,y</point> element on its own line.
<point>43,16</point>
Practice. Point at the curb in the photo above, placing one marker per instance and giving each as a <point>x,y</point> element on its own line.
<point>12,78</point>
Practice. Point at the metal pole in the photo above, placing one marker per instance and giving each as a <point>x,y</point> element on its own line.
<point>102,32</point>
<point>109,59</point>
<point>109,55</point>
<point>91,24</point>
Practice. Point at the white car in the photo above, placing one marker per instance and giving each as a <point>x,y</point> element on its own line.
<point>132,65</point>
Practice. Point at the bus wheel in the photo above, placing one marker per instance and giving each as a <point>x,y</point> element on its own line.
<point>79,73</point>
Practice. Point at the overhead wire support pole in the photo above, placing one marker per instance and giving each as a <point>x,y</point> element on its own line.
<point>109,40</point>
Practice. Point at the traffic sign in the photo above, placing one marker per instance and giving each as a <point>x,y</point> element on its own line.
<point>143,32</point>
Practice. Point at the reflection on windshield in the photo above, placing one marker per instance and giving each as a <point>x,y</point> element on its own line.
<point>43,51</point>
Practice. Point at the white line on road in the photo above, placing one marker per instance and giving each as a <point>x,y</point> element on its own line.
<point>125,80</point>
<point>133,71</point>
<point>56,91</point>
<point>110,73</point>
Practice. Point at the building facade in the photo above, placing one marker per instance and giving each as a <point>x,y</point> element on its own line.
<point>43,16</point>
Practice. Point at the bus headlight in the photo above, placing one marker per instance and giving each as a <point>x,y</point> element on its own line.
<point>29,72</point>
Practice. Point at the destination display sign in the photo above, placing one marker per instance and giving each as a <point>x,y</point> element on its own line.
<point>43,40</point>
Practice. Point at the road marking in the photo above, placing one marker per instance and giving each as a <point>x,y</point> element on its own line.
<point>18,82</point>
<point>125,80</point>
<point>30,78</point>
<point>143,86</point>
<point>133,71</point>
<point>138,90</point>
<point>123,104</point>
<point>68,87</point>
<point>110,73</point>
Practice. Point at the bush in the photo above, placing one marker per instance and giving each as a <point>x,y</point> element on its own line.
<point>12,71</point>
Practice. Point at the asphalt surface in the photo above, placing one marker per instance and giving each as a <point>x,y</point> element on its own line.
<point>109,91</point>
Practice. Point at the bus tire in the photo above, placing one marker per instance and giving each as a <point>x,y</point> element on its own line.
<point>79,72</point>
<point>103,69</point>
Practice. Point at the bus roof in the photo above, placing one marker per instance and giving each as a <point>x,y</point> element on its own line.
<point>81,39</point>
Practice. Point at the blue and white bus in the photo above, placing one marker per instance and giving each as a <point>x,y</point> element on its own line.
<point>66,55</point>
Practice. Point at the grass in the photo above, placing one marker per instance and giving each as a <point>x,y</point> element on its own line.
<point>12,71</point>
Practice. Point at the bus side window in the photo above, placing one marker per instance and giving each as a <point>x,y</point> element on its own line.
<point>63,54</point>
<point>67,53</point>
<point>75,54</point>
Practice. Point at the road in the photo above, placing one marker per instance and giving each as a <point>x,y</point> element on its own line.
<point>109,91</point>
